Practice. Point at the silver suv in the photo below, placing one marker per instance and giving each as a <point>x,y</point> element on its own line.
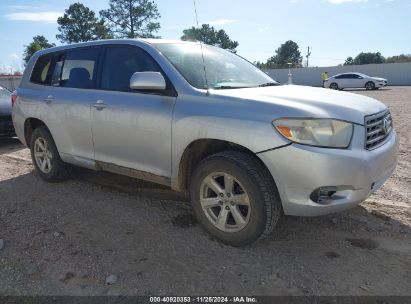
<point>207,123</point>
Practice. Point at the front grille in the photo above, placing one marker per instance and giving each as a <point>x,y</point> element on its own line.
<point>377,129</point>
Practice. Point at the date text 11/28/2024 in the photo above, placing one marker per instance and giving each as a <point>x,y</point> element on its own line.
<point>203,300</point>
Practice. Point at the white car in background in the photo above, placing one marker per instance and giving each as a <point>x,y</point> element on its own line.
<point>354,80</point>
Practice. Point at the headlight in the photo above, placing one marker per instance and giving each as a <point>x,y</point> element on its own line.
<point>316,132</point>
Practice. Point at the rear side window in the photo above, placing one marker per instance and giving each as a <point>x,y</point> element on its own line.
<point>42,70</point>
<point>343,76</point>
<point>120,63</point>
<point>78,69</point>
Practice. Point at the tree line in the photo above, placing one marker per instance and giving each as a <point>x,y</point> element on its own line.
<point>139,19</point>
<point>369,58</point>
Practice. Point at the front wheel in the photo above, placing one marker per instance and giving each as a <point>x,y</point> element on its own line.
<point>370,85</point>
<point>235,198</point>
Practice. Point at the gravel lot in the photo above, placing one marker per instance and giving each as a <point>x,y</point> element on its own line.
<point>101,234</point>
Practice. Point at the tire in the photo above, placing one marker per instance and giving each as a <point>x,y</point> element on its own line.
<point>334,86</point>
<point>370,85</point>
<point>251,183</point>
<point>55,170</point>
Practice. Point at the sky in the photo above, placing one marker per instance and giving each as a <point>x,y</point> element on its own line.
<point>334,29</point>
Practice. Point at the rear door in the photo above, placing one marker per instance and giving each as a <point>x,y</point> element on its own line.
<point>69,98</point>
<point>132,129</point>
<point>351,81</point>
<point>341,80</point>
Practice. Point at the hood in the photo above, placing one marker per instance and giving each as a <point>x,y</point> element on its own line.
<point>379,78</point>
<point>303,101</point>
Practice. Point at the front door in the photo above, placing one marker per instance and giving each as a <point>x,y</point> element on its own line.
<point>131,129</point>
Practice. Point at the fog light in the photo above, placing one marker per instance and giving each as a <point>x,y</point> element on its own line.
<point>323,195</point>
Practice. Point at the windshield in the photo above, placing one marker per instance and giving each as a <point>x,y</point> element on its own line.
<point>224,69</point>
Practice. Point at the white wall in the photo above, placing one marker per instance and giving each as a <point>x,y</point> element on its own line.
<point>396,73</point>
<point>10,83</point>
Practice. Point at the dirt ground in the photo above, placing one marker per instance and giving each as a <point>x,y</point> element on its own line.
<point>69,238</point>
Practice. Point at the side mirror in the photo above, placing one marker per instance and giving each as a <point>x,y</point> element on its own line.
<point>147,81</point>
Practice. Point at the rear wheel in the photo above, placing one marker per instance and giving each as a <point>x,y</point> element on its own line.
<point>235,198</point>
<point>46,158</point>
<point>334,86</point>
<point>370,85</point>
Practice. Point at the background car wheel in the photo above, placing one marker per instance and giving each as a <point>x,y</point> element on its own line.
<point>46,158</point>
<point>370,85</point>
<point>334,86</point>
<point>235,198</point>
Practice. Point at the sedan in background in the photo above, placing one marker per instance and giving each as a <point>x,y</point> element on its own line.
<point>6,123</point>
<point>354,80</point>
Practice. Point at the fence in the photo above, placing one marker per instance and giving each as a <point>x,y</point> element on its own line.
<point>10,82</point>
<point>396,73</point>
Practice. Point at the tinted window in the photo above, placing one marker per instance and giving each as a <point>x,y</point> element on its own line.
<point>120,63</point>
<point>340,77</point>
<point>42,70</point>
<point>78,69</point>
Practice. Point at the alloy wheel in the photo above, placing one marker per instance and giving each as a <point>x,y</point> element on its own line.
<point>42,155</point>
<point>225,202</point>
<point>369,86</point>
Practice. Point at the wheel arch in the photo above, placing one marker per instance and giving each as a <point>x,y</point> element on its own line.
<point>30,124</point>
<point>199,149</point>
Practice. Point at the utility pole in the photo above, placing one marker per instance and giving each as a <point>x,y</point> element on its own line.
<point>308,55</point>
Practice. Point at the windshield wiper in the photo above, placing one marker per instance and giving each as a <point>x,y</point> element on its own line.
<point>269,84</point>
<point>228,87</point>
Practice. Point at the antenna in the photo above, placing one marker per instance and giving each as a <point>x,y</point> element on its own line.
<point>202,52</point>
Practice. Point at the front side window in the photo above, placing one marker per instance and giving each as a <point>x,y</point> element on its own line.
<point>120,63</point>
<point>78,69</point>
<point>224,69</point>
<point>42,70</point>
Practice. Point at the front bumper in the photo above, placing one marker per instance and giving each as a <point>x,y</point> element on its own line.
<point>299,170</point>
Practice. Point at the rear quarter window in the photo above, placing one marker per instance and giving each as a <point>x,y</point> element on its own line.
<point>42,70</point>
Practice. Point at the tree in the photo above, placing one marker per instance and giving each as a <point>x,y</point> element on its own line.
<point>349,61</point>
<point>38,43</point>
<point>398,58</point>
<point>80,24</point>
<point>365,58</point>
<point>260,65</point>
<point>209,35</point>
<point>132,18</point>
<point>288,52</point>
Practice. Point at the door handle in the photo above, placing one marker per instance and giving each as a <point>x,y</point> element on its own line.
<point>49,99</point>
<point>99,105</point>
